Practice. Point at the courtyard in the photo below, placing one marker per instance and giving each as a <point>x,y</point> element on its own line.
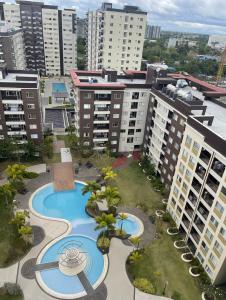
<point>160,262</point>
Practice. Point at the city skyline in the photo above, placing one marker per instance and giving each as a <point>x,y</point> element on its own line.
<point>188,16</point>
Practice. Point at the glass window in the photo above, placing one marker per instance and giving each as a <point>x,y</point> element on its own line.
<point>209,234</point>
<point>116,106</point>
<point>219,248</point>
<point>188,140</point>
<point>86,106</point>
<point>219,207</point>
<point>87,116</point>
<point>214,221</point>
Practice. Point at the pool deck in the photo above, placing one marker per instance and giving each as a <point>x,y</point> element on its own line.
<point>116,284</point>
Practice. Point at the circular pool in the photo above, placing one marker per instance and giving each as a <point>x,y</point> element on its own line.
<point>132,225</point>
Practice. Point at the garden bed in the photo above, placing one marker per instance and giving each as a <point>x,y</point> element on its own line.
<point>172,231</point>
<point>194,271</point>
<point>180,244</point>
<point>187,257</point>
<point>208,296</point>
<point>159,212</point>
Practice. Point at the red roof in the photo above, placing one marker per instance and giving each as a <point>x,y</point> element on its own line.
<point>78,83</point>
<point>205,85</point>
<point>134,72</point>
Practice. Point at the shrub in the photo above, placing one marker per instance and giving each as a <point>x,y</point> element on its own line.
<point>176,296</point>
<point>103,242</point>
<point>13,289</point>
<point>144,285</point>
<point>166,217</point>
<point>120,233</point>
<point>30,175</point>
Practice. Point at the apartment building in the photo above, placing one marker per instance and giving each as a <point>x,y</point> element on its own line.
<point>185,139</point>
<point>115,38</point>
<point>12,47</point>
<point>50,37</point>
<point>110,110</point>
<point>20,115</point>
<point>152,32</point>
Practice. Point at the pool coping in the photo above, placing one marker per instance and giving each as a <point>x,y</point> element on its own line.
<point>39,279</point>
<point>141,225</point>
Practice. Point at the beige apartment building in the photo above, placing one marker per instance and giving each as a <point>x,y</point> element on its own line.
<point>115,38</point>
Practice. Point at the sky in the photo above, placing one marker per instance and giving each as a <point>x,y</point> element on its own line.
<point>201,16</point>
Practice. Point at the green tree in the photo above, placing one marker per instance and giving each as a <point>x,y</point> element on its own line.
<point>30,149</point>
<point>112,196</point>
<point>122,217</point>
<point>134,257</point>
<point>91,187</point>
<point>20,219</point>
<point>108,173</point>
<point>81,49</point>
<point>135,241</point>
<point>15,172</point>
<point>7,193</point>
<point>47,147</point>
<point>106,221</point>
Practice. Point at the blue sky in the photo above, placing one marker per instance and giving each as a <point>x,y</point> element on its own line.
<point>203,16</point>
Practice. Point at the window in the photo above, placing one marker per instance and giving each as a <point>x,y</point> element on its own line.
<point>116,106</point>
<point>115,124</point>
<point>30,95</point>
<point>170,140</point>
<point>214,221</point>
<point>135,95</point>
<point>219,207</point>
<point>87,116</point>
<point>132,123</point>
<point>201,259</point>
<point>113,142</point>
<point>175,190</point>
<point>0,127</point>
<point>86,134</point>
<point>182,122</point>
<point>130,140</point>
<point>223,232</point>
<point>179,134</point>
<point>34,136</point>
<point>87,95</point>
<point>218,247</point>
<point>209,234</point>
<point>213,259</point>
<point>130,131</point>
<point>114,133</point>
<point>133,114</point>
<point>188,140</point>
<point>171,167</point>
<point>196,146</point>
<point>115,116</point>
<point>30,116</point>
<point>31,106</point>
<point>175,117</point>
<point>176,146</point>
<point>134,105</point>
<point>174,157</point>
<point>33,126</point>
<point>122,131</point>
<point>117,96</point>
<point>86,106</point>
<point>172,128</point>
<point>138,130</point>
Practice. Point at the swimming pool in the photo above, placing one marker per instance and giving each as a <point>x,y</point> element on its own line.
<point>59,87</point>
<point>70,206</point>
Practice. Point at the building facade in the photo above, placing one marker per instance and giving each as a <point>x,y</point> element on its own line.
<point>20,112</point>
<point>12,48</point>
<point>50,37</point>
<point>110,110</point>
<point>115,38</point>
<point>153,32</point>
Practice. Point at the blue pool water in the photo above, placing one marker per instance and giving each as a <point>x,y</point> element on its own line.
<point>70,205</point>
<point>59,87</point>
<point>129,225</point>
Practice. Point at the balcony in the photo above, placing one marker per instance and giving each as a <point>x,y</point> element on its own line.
<point>102,97</point>
<point>168,126</point>
<point>14,118</point>
<point>212,183</point>
<point>196,185</point>
<point>165,137</point>
<point>189,210</point>
<point>195,235</point>
<point>191,246</point>
<point>218,167</point>
<point>203,211</point>
<point>200,171</point>
<point>207,197</point>
<point>205,156</point>
<point>192,198</point>
<point>199,224</point>
<point>101,127</point>
<point>170,115</point>
<point>102,108</point>
<point>185,221</point>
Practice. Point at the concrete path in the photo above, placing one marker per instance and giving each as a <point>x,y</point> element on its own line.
<point>8,274</point>
<point>117,282</point>
<point>40,168</point>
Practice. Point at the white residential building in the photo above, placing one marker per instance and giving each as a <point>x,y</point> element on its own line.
<point>115,38</point>
<point>217,41</point>
<point>12,14</point>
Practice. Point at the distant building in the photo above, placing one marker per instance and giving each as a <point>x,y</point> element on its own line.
<point>152,32</point>
<point>12,47</point>
<point>217,41</point>
<point>203,57</point>
<point>81,28</point>
<point>174,42</point>
<point>115,37</point>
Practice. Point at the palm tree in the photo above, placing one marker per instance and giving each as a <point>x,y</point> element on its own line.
<point>105,221</point>
<point>122,217</point>
<point>15,172</point>
<point>7,192</point>
<point>108,173</point>
<point>91,187</point>
<point>135,241</point>
<point>134,257</point>
<point>112,196</point>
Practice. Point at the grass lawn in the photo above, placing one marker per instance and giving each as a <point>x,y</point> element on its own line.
<point>160,263</point>
<point>160,256</point>
<point>135,189</point>
<point>11,246</point>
